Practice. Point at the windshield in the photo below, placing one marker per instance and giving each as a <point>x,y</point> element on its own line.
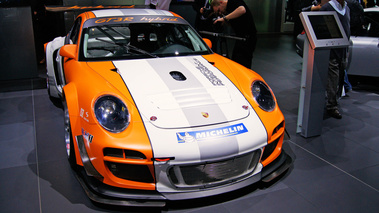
<point>141,40</point>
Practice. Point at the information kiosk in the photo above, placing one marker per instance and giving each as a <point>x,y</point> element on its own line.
<point>324,32</point>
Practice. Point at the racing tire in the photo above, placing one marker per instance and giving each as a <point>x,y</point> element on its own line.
<point>68,135</point>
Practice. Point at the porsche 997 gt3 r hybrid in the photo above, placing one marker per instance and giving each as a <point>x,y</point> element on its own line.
<point>151,114</point>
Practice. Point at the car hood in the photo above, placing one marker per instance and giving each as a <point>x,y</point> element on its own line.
<point>181,92</point>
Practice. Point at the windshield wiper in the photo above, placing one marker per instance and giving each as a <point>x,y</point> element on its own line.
<point>128,47</point>
<point>140,50</point>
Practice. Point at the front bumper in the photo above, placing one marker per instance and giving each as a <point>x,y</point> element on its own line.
<point>102,193</point>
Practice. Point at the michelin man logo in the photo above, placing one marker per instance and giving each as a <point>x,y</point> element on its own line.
<point>187,138</point>
<point>195,136</point>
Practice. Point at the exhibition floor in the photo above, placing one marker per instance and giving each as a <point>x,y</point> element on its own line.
<point>335,172</point>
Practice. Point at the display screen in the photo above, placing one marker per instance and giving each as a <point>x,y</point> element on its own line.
<point>325,27</point>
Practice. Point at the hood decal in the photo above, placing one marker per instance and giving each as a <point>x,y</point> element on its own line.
<point>206,107</point>
<point>207,73</point>
<point>180,103</point>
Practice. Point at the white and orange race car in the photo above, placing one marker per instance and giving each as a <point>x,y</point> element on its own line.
<point>151,114</point>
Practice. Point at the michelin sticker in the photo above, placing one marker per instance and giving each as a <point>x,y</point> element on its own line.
<point>194,136</point>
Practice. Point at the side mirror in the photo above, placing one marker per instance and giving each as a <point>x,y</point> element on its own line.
<point>68,51</point>
<point>208,42</point>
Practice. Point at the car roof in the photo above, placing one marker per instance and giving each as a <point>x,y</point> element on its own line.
<point>372,9</point>
<point>130,12</point>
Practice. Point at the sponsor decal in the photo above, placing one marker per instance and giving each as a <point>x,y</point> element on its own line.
<point>194,136</point>
<point>87,136</point>
<point>84,114</point>
<point>114,19</point>
<point>137,18</point>
<point>205,114</point>
<point>164,19</point>
<point>208,74</point>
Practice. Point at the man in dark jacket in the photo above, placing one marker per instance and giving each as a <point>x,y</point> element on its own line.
<point>356,16</point>
<point>336,69</point>
<point>297,6</point>
<point>241,20</point>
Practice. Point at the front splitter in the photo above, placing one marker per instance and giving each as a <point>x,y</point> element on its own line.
<point>104,194</point>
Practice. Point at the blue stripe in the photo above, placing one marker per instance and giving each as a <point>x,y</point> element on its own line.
<point>223,132</point>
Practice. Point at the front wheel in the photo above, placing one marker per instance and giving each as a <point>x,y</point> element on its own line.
<point>68,135</point>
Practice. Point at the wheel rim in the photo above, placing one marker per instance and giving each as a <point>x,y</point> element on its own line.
<point>67,128</point>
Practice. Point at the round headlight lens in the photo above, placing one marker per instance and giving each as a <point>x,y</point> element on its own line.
<point>111,113</point>
<point>263,96</point>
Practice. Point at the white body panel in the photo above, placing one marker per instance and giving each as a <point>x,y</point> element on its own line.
<point>54,89</point>
<point>181,104</point>
<point>199,119</point>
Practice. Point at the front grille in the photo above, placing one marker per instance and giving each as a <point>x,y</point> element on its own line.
<point>214,173</point>
<point>140,173</point>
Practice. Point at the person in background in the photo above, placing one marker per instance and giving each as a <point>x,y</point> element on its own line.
<point>152,4</point>
<point>204,21</point>
<point>356,28</point>
<point>356,16</point>
<point>158,4</point>
<point>297,7</point>
<point>204,14</point>
<point>315,6</point>
<point>336,68</point>
<point>242,22</point>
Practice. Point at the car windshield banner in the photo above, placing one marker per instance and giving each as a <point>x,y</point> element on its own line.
<point>133,19</point>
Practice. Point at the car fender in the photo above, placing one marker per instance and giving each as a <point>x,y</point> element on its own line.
<point>71,97</point>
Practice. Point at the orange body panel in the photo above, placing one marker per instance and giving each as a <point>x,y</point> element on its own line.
<point>243,78</point>
<point>83,118</point>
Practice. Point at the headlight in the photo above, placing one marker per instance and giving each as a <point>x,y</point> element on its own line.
<point>263,96</point>
<point>111,113</point>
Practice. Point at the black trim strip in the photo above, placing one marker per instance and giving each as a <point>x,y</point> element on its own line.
<point>277,167</point>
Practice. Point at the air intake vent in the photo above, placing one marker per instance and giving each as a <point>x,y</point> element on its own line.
<point>214,173</point>
<point>123,153</point>
<point>140,173</point>
<point>178,76</point>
